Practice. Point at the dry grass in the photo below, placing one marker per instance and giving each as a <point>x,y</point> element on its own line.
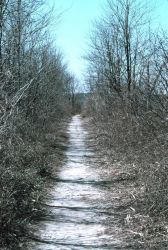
<point>140,148</point>
<point>25,168</point>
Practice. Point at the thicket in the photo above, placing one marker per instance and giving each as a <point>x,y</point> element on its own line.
<point>128,82</point>
<point>35,96</point>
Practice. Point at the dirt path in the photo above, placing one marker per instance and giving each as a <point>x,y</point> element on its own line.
<point>84,205</point>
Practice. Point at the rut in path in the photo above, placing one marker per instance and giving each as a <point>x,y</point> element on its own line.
<point>80,209</point>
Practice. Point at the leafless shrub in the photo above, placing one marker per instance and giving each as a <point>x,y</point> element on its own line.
<point>35,92</point>
<point>127,75</point>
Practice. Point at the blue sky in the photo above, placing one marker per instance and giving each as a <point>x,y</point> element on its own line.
<point>72,32</point>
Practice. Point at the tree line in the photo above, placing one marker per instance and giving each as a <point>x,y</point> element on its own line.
<point>35,95</point>
<point>128,83</point>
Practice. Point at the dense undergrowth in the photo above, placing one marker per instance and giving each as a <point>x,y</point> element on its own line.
<point>141,150</point>
<point>25,169</point>
<point>145,147</point>
<point>36,91</point>
<point>128,81</point>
